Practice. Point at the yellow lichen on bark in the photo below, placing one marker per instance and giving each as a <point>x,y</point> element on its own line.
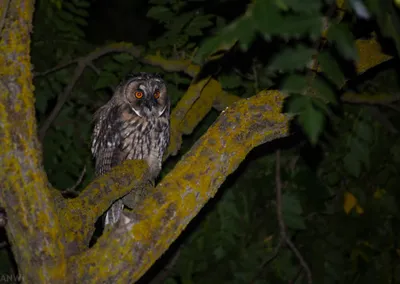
<point>201,106</point>
<point>184,191</point>
<point>171,65</point>
<point>191,109</point>
<point>24,195</point>
<point>79,214</point>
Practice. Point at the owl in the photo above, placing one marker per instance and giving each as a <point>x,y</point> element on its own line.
<point>132,125</point>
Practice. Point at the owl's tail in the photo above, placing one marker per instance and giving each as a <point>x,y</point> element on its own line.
<point>114,213</point>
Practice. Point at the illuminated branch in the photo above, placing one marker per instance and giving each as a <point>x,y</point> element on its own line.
<point>33,226</point>
<point>191,109</point>
<point>79,214</point>
<point>183,192</point>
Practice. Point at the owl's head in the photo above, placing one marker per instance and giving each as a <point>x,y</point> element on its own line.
<point>146,95</point>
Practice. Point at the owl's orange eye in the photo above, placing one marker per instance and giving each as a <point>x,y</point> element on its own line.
<point>157,94</point>
<point>138,94</point>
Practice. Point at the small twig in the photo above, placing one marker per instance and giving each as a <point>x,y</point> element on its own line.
<point>255,74</point>
<point>62,99</point>
<point>4,15</point>
<point>71,192</point>
<point>281,222</point>
<point>298,274</point>
<point>99,52</point>
<point>94,68</point>
<point>56,68</point>
<point>245,76</point>
<point>82,63</point>
<point>268,260</point>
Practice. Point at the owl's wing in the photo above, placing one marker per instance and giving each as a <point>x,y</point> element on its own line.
<point>106,139</point>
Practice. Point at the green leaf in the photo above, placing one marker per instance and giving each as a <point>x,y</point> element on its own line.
<point>81,3</point>
<point>291,204</point>
<point>331,68</point>
<point>344,41</point>
<point>303,6</point>
<point>77,11</point>
<point>246,33</point>
<point>297,103</point>
<point>294,221</point>
<point>364,131</point>
<point>106,79</point>
<point>352,165</point>
<point>265,14</point>
<point>291,59</point>
<point>111,66</point>
<point>360,150</point>
<point>242,30</point>
<point>291,211</point>
<point>230,81</point>
<point>323,90</point>
<point>312,121</point>
<point>219,253</point>
<point>160,13</point>
<point>294,83</point>
<point>180,22</point>
<point>122,57</point>
<point>291,26</point>
<point>301,84</point>
<point>199,23</point>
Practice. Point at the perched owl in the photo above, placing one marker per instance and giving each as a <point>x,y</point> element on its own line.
<point>133,125</point>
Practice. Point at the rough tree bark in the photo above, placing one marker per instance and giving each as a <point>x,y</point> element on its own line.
<point>49,235</point>
<point>33,222</point>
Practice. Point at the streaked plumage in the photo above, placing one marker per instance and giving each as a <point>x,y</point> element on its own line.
<point>134,124</point>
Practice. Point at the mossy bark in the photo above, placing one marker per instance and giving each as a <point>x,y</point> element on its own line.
<point>33,228</point>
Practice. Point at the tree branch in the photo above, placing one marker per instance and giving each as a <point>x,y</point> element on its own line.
<point>82,63</point>
<point>79,214</point>
<point>371,99</point>
<point>184,191</point>
<point>282,226</point>
<point>32,227</point>
<point>190,111</point>
<point>4,4</point>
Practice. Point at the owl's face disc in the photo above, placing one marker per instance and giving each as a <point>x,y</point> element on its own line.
<point>147,97</point>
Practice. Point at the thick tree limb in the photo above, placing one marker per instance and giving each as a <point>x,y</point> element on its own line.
<point>78,215</point>
<point>191,109</point>
<point>4,4</point>
<point>33,228</point>
<point>183,192</point>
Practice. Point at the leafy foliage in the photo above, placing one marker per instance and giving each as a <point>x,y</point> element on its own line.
<point>339,170</point>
